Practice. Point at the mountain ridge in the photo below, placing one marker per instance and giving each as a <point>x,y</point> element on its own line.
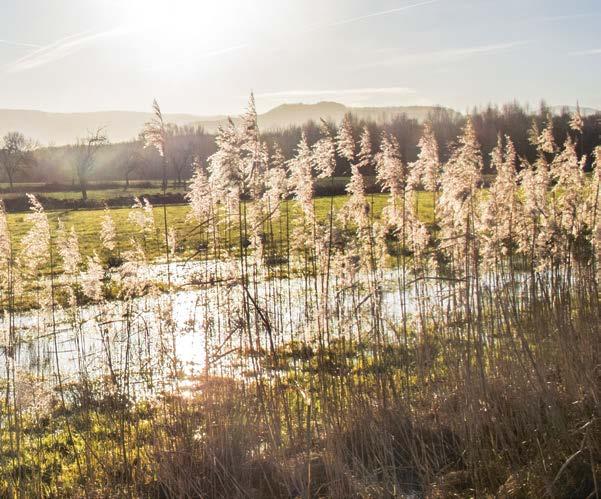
<point>297,114</point>
<point>56,128</point>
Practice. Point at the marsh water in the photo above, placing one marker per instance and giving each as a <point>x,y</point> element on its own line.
<point>198,327</point>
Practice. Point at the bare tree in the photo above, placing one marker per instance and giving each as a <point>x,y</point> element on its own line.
<point>131,160</point>
<point>183,148</point>
<point>16,154</point>
<point>85,155</point>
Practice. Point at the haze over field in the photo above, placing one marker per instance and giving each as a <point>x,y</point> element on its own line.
<point>120,126</point>
<point>65,128</point>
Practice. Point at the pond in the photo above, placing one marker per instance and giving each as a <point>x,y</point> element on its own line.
<point>208,321</point>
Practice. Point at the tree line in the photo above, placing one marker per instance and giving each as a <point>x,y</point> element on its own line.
<point>93,158</point>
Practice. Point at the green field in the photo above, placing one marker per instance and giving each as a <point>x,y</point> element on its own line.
<point>87,223</point>
<point>101,194</point>
<point>105,191</point>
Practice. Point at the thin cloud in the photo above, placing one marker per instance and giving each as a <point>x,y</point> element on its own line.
<point>378,14</point>
<point>19,44</point>
<point>343,91</point>
<point>61,49</point>
<point>569,16</point>
<point>587,52</point>
<point>177,63</point>
<point>446,55</point>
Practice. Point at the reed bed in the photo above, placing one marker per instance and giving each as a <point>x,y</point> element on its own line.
<point>437,348</point>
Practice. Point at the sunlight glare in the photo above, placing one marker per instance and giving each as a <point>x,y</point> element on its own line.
<point>182,21</point>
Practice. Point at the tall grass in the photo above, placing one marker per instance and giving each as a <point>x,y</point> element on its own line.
<point>309,349</point>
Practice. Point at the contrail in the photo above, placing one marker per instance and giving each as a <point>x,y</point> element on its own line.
<point>569,16</point>
<point>20,44</point>
<point>586,52</point>
<point>60,49</point>
<point>445,55</point>
<point>377,14</point>
<point>308,30</point>
<point>45,54</point>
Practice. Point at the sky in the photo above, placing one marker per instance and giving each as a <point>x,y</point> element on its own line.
<point>204,58</point>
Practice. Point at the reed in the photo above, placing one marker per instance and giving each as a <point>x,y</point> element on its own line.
<point>445,348</point>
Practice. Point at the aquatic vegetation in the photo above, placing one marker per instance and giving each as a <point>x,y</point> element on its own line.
<point>439,339</point>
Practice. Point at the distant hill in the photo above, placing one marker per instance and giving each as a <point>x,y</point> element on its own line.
<point>64,128</point>
<point>287,115</point>
<point>584,111</point>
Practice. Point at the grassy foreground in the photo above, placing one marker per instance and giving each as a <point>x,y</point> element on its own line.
<point>349,420</point>
<point>487,405</point>
<point>87,224</point>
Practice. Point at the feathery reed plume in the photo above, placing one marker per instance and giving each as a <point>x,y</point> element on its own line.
<point>501,207</point>
<point>345,142</point>
<point>547,139</point>
<point>426,170</point>
<point>68,249</point>
<point>460,180</point>
<point>108,231</point>
<point>35,245</point>
<point>324,152</point>
<point>225,175</point>
<point>568,204</point>
<point>142,214</point>
<point>5,241</point>
<point>301,177</point>
<point>276,184</point>
<point>92,282</point>
<point>200,194</point>
<point>576,121</point>
<point>356,207</point>
<point>155,135</point>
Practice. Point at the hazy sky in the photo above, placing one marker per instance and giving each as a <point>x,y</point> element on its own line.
<point>204,57</point>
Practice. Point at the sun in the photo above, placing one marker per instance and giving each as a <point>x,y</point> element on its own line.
<point>178,22</point>
<point>182,33</point>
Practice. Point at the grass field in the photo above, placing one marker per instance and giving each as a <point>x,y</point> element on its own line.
<point>87,223</point>
<point>105,191</point>
<point>103,194</point>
